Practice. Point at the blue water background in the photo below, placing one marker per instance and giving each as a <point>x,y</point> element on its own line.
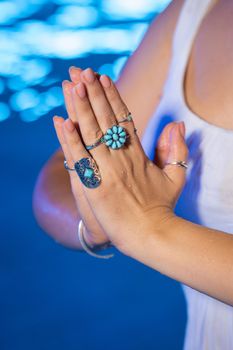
<point>51,297</point>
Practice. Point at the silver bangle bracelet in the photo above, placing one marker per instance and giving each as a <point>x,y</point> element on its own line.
<point>89,249</point>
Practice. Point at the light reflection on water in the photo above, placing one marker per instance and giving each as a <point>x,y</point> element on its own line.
<point>38,37</point>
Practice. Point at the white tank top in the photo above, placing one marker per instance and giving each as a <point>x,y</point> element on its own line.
<point>207,198</point>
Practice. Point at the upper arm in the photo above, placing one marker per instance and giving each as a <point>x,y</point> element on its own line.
<point>143,76</point>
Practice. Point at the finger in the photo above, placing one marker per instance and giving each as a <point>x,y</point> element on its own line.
<point>118,106</point>
<point>74,73</point>
<point>88,124</point>
<point>68,96</point>
<point>67,87</point>
<point>58,121</point>
<point>73,141</point>
<point>120,110</point>
<point>70,106</point>
<point>78,190</point>
<point>77,150</point>
<point>163,146</point>
<point>100,105</point>
<point>58,128</point>
<point>178,152</point>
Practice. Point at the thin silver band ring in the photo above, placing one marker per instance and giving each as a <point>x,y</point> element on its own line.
<point>67,166</point>
<point>95,144</point>
<point>129,118</point>
<point>180,163</point>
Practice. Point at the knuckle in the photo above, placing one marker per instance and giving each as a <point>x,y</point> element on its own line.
<point>75,141</point>
<point>122,111</point>
<point>133,140</point>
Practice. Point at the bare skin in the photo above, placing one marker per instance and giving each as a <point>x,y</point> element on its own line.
<point>145,226</point>
<point>202,76</point>
<point>148,68</point>
<point>209,75</point>
<point>53,202</point>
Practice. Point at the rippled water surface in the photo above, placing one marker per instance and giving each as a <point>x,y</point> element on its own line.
<point>40,39</point>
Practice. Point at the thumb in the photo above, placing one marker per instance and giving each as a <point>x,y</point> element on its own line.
<point>178,151</point>
<point>163,146</point>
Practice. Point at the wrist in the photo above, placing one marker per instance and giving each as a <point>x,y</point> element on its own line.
<point>155,228</point>
<point>91,250</point>
<point>95,242</point>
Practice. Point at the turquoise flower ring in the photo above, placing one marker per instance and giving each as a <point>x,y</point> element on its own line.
<point>115,137</point>
<point>88,172</point>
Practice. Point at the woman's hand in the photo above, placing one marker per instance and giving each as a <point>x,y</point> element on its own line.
<point>135,195</point>
<point>94,233</point>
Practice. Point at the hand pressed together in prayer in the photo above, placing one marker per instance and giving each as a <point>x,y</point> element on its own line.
<point>135,196</point>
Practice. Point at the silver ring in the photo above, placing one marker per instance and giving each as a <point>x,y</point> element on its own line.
<point>67,166</point>
<point>102,138</point>
<point>129,118</point>
<point>180,163</point>
<point>115,137</point>
<point>88,172</point>
<point>95,144</point>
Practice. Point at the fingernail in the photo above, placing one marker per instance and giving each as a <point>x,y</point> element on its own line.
<point>89,75</point>
<point>69,125</point>
<point>66,86</point>
<point>65,82</point>
<point>74,68</point>
<point>74,72</point>
<point>105,81</point>
<point>57,120</point>
<point>80,88</point>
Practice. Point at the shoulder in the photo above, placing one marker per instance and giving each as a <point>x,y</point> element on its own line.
<point>147,68</point>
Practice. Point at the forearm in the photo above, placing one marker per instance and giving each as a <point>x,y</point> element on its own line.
<point>194,255</point>
<point>53,203</point>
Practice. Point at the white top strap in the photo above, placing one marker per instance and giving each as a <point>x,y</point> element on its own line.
<point>187,26</point>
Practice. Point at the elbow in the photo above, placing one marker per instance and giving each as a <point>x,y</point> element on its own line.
<point>43,191</point>
<point>40,201</point>
<point>50,208</point>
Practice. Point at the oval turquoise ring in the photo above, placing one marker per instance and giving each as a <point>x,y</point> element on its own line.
<point>115,137</point>
<point>88,172</point>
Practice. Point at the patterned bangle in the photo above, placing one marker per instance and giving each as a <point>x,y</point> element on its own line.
<point>87,248</point>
